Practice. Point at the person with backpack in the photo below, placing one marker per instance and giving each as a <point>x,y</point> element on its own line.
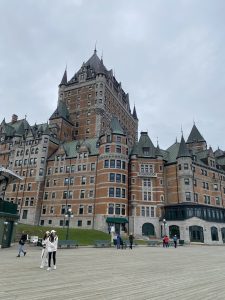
<point>44,252</point>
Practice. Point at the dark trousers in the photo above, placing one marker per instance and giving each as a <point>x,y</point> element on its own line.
<point>50,256</point>
<point>175,244</point>
<point>131,244</point>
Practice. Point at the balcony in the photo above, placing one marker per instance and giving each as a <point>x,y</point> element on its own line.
<point>147,174</point>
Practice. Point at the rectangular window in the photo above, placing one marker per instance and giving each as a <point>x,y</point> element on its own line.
<point>152,212</point>
<point>25,213</point>
<point>118,178</point>
<point>111,192</point>
<point>118,149</point>
<point>92,180</point>
<point>53,195</point>
<point>82,194</point>
<point>112,177</point>
<point>111,209</point>
<point>118,192</point>
<point>117,210</point>
<point>90,209</point>
<point>186,181</point>
<point>107,148</point>
<point>81,210</point>
<point>215,186</point>
<point>196,197</point>
<point>185,166</point>
<point>188,196</point>
<point>106,163</point>
<point>112,163</point>
<point>41,172</point>
<point>83,180</point>
<point>79,223</point>
<point>92,166</point>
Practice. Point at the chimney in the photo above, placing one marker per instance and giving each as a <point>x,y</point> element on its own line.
<point>14,118</point>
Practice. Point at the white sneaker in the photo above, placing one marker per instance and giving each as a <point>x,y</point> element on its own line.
<point>41,267</point>
<point>54,268</point>
<point>49,269</point>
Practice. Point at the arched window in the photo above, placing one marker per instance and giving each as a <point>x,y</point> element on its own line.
<point>214,234</point>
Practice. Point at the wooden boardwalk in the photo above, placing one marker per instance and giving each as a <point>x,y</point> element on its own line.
<point>190,272</point>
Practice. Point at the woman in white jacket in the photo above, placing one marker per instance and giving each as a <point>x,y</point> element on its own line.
<point>52,245</point>
<point>44,252</point>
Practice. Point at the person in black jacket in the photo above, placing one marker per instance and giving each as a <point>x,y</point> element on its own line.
<point>22,243</point>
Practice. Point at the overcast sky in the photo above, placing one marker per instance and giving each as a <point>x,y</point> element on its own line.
<point>168,54</point>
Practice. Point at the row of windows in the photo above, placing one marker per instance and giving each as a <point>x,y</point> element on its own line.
<point>22,187</point>
<point>65,223</point>
<point>72,168</point>
<point>117,192</point>
<point>115,163</point>
<point>116,209</point>
<point>207,198</point>
<point>148,211</point>
<point>71,180</point>
<point>82,209</point>
<point>116,177</point>
<point>203,171</point>
<point>205,185</point>
<point>69,194</point>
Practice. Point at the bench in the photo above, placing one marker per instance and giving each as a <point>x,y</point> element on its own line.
<point>154,243</point>
<point>67,243</point>
<point>102,244</point>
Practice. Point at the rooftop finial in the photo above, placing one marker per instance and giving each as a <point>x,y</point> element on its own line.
<point>102,55</point>
<point>181,130</point>
<point>95,51</point>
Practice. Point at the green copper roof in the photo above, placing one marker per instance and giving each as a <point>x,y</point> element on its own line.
<point>115,126</point>
<point>144,147</point>
<point>74,147</point>
<point>61,112</point>
<point>195,136</point>
<point>172,152</point>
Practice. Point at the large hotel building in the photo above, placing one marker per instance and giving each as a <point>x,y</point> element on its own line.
<point>88,158</point>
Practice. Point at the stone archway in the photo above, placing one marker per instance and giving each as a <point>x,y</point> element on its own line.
<point>214,233</point>
<point>174,230</point>
<point>196,234</point>
<point>148,229</point>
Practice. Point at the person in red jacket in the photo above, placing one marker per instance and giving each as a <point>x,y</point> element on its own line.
<point>166,241</point>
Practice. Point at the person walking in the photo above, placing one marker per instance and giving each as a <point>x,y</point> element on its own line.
<point>52,245</point>
<point>118,241</point>
<point>22,242</point>
<point>175,241</point>
<point>131,240</point>
<point>44,252</point>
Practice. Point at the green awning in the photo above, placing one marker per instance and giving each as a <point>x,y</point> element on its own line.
<point>116,220</point>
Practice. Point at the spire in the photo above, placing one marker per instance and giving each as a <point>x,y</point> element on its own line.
<point>183,150</point>
<point>134,113</point>
<point>158,151</point>
<point>64,78</point>
<point>195,136</point>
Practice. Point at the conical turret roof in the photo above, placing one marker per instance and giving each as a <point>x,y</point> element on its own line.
<point>183,150</point>
<point>64,79</point>
<point>195,136</point>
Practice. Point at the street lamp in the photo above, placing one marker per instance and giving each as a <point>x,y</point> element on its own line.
<point>164,227</point>
<point>68,215</point>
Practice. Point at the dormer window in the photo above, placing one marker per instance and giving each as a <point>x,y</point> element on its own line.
<point>146,150</point>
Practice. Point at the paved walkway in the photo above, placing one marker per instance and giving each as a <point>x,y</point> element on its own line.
<point>190,272</point>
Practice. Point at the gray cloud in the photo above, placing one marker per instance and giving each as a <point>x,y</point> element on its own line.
<point>169,56</point>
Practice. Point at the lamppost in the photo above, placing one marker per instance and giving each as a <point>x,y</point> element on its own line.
<point>68,215</point>
<point>164,227</point>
